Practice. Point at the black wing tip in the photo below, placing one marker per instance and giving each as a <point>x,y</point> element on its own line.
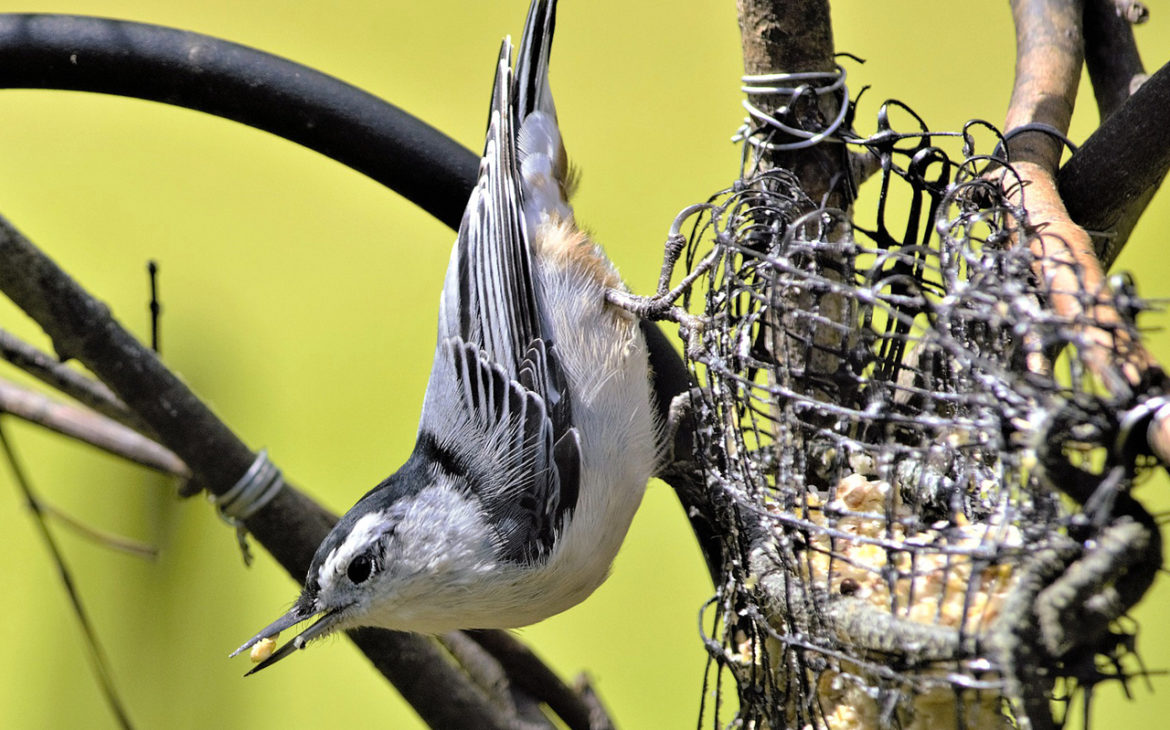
<point>567,457</point>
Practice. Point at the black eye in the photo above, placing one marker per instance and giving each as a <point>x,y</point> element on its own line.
<point>360,569</point>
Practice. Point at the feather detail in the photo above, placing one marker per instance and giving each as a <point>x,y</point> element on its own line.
<point>497,363</point>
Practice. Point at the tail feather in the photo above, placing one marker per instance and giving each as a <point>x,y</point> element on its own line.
<point>532,92</point>
<point>544,166</point>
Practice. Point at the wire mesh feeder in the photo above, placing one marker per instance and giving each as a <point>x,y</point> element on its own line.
<point>922,489</point>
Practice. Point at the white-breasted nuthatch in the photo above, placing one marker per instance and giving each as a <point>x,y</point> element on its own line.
<point>537,434</point>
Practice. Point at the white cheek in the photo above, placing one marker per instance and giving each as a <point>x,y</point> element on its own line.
<point>443,535</point>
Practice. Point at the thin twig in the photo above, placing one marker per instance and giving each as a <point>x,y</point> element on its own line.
<point>106,539</point>
<point>49,370</point>
<point>97,656</point>
<point>88,427</point>
<point>81,327</point>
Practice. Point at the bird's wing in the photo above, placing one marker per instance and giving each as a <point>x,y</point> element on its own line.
<point>498,397</point>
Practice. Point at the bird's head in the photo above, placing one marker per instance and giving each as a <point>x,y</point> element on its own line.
<point>410,543</point>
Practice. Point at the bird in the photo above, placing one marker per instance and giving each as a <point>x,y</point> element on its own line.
<point>537,434</point>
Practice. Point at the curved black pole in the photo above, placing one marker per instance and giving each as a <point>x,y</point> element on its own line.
<point>228,80</point>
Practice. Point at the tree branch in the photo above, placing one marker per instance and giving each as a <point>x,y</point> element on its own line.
<point>1048,63</point>
<point>487,673</point>
<point>49,371</point>
<point>794,37</point>
<point>784,42</point>
<point>785,36</point>
<point>1115,68</point>
<point>1049,52</point>
<point>528,672</point>
<point>89,427</point>
<point>1111,179</point>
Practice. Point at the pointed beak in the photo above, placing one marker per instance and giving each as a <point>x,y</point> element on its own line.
<point>329,622</point>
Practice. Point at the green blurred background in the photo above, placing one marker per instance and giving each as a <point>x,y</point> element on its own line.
<point>299,300</point>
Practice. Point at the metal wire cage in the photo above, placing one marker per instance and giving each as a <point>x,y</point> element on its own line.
<point>922,488</point>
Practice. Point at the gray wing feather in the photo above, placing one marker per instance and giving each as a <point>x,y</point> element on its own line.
<point>496,371</point>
